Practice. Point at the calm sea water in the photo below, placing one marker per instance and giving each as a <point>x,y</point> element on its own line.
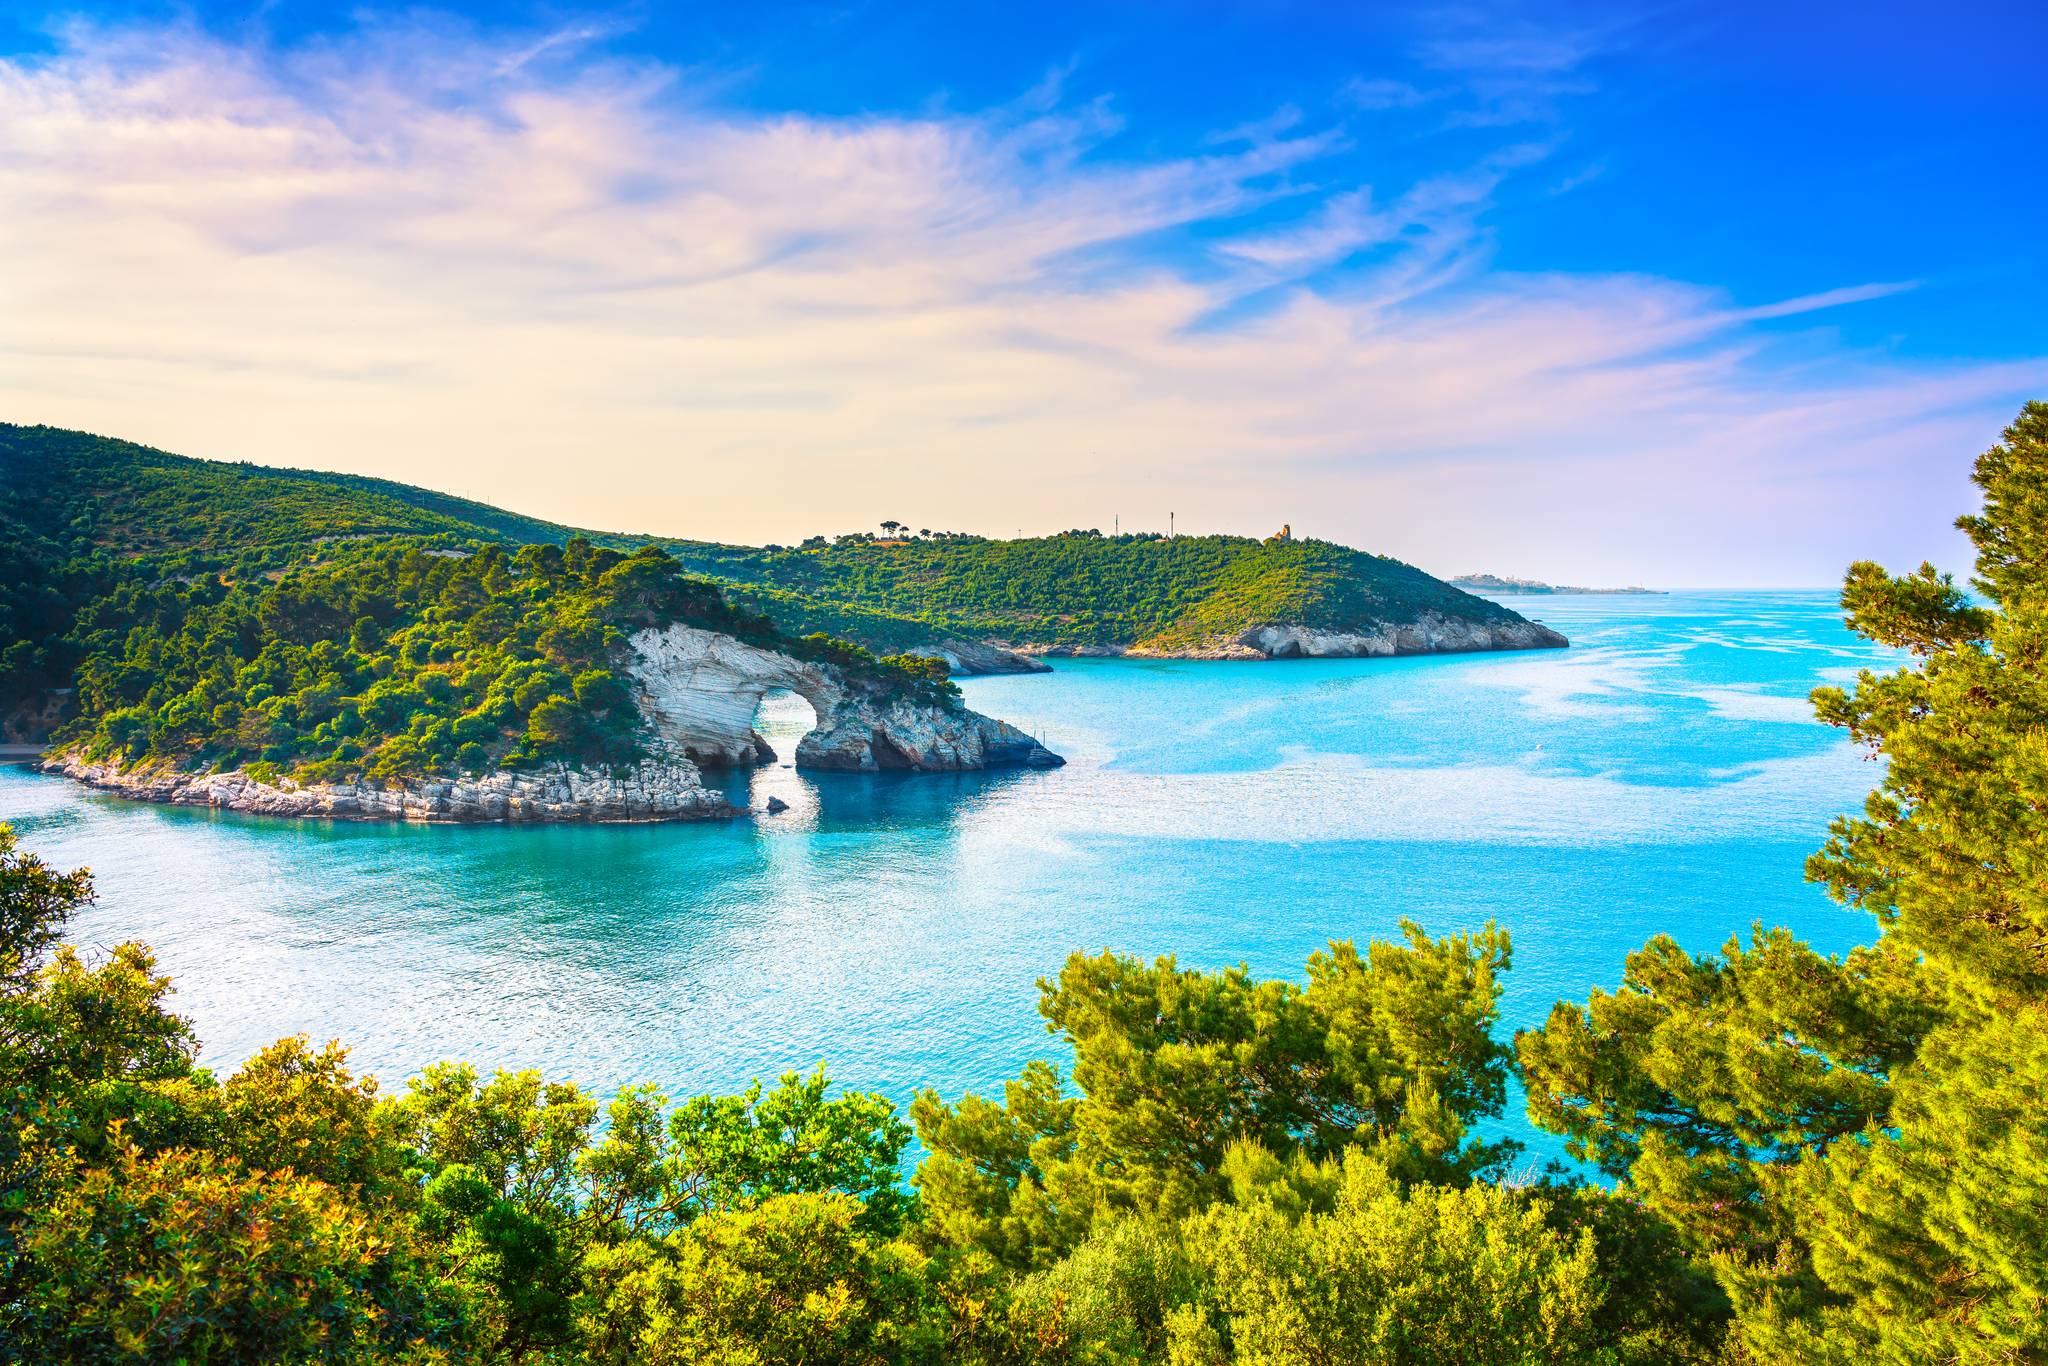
<point>1662,775</point>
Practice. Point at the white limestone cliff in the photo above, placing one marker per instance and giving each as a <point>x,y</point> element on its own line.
<point>700,689</point>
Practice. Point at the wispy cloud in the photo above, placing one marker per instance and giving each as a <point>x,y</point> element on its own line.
<point>1827,298</point>
<point>524,269</point>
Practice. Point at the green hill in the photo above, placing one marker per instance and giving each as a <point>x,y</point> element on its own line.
<point>156,608</point>
<point>131,500</point>
<point>1079,588</point>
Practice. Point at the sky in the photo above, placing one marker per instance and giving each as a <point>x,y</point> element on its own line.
<point>1690,294</point>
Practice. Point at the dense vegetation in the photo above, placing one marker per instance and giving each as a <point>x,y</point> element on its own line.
<point>1078,588</point>
<point>98,526</point>
<point>391,663</point>
<point>1815,1160</point>
<point>212,617</point>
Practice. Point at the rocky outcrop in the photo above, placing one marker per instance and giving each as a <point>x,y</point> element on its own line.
<point>870,736</point>
<point>700,689</point>
<point>652,791</point>
<point>965,658</point>
<point>32,721</point>
<point>697,689</point>
<point>1429,633</point>
<point>1079,651</point>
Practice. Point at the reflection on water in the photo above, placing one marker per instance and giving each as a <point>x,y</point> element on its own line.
<point>1659,776</point>
<point>826,801</point>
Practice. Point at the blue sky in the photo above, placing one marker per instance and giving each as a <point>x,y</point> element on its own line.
<point>1704,293</point>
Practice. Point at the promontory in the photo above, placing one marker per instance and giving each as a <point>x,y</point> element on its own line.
<point>307,643</point>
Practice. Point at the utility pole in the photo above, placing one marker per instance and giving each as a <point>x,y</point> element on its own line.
<point>1169,526</point>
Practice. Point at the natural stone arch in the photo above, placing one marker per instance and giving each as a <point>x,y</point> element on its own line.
<point>701,690</point>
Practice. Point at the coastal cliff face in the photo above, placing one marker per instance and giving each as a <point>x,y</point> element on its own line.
<point>652,791</point>
<point>700,690</point>
<point>1430,633</point>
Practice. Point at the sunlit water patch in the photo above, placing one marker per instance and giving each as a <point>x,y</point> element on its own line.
<point>1663,775</point>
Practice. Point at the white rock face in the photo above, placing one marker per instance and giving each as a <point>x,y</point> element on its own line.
<point>700,691</point>
<point>1429,634</point>
<point>652,791</point>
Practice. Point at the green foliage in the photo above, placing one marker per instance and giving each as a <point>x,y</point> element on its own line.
<point>129,499</point>
<point>792,1280</point>
<point>150,1213</point>
<point>388,662</point>
<point>792,1140</point>
<point>326,628</point>
<point>1856,1145</point>
<point>1430,1275</point>
<point>185,1256</point>
<point>291,1212</point>
<point>1390,1050</point>
<point>1077,589</point>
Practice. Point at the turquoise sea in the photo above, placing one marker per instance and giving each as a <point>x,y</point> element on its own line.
<point>1664,774</point>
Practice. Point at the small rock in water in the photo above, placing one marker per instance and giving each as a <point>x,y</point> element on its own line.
<point>776,805</point>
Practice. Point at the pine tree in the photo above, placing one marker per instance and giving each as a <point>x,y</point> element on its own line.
<point>1859,1144</point>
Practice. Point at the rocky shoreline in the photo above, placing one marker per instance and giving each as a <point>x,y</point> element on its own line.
<point>652,791</point>
<point>1428,634</point>
<point>700,690</point>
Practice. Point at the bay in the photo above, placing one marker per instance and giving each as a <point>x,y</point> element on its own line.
<point>1664,775</point>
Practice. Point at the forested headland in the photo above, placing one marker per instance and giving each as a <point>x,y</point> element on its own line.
<point>161,610</point>
<point>167,606</point>
<point>1803,1158</point>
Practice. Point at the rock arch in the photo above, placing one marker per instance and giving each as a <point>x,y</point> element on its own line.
<point>701,689</point>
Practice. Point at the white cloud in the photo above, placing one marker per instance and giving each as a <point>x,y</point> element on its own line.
<point>585,289</point>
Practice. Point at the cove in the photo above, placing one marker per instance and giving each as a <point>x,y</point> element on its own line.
<point>1662,775</point>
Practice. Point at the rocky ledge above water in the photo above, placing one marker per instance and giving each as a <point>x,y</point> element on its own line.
<point>652,791</point>
<point>1429,633</point>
